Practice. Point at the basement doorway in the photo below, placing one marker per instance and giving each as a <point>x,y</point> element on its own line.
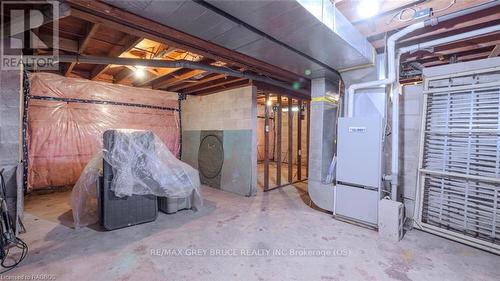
<point>282,140</point>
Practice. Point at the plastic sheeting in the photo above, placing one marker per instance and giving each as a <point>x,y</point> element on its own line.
<point>141,165</point>
<point>67,117</point>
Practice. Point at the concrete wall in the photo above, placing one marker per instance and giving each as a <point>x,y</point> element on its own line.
<point>234,112</point>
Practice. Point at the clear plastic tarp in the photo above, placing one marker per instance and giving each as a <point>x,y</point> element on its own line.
<point>141,164</point>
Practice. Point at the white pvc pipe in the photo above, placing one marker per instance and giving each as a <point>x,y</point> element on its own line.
<point>393,64</point>
<point>395,134</point>
<point>391,75</point>
<point>449,39</point>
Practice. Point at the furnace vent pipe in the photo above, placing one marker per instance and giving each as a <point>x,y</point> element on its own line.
<point>391,77</point>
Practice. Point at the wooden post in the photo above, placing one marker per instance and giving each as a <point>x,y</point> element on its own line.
<point>308,107</point>
<point>299,141</point>
<point>266,144</point>
<point>290,139</point>
<point>278,142</point>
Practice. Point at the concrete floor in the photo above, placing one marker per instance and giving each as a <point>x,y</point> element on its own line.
<point>277,220</point>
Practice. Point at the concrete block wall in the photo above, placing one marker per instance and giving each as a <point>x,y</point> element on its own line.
<point>10,99</point>
<point>410,115</point>
<point>233,109</point>
<point>10,137</point>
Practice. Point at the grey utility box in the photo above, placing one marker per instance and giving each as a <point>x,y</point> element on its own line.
<point>359,169</point>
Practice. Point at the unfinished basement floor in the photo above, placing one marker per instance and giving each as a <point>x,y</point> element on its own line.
<point>279,219</point>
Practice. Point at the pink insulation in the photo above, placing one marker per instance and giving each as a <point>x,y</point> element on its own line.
<point>63,136</point>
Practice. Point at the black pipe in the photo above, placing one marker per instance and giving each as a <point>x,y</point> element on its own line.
<point>177,64</point>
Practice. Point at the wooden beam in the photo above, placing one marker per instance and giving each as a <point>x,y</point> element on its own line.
<point>175,78</point>
<point>125,44</point>
<point>278,141</point>
<point>97,11</point>
<point>122,75</point>
<point>461,58</point>
<point>213,84</point>
<point>384,24</point>
<point>453,48</point>
<point>266,144</point>
<point>290,140</point>
<point>463,24</point>
<point>308,135</point>
<point>299,141</point>
<point>65,44</point>
<point>232,85</point>
<point>69,69</point>
<point>495,52</point>
<point>206,79</point>
<point>275,89</point>
<point>91,30</point>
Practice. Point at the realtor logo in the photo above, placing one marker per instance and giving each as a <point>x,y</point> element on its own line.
<point>22,45</point>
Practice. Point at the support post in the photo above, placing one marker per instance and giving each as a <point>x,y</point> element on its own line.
<point>299,141</point>
<point>290,139</point>
<point>266,143</point>
<point>278,142</point>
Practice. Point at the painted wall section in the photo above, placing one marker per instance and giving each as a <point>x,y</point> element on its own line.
<point>234,112</point>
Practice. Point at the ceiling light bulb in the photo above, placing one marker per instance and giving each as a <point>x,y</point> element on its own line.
<point>139,72</point>
<point>269,103</point>
<point>368,8</point>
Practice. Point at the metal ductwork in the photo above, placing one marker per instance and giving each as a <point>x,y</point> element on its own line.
<point>296,35</point>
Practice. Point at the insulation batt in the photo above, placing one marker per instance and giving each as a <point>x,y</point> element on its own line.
<point>64,136</point>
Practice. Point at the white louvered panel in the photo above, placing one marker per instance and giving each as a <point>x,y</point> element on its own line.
<point>461,147</point>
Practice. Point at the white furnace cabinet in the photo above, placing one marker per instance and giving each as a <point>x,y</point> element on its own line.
<point>359,169</point>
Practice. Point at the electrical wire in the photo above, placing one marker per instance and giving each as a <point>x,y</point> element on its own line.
<point>399,14</point>
<point>11,241</point>
<point>453,2</point>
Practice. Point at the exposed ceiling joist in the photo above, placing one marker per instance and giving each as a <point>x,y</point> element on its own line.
<point>176,78</point>
<point>488,18</point>
<point>65,44</point>
<point>495,52</point>
<point>384,24</point>
<point>96,11</point>
<point>213,84</point>
<point>127,43</point>
<point>100,60</point>
<point>457,47</point>
<point>91,30</point>
<point>236,83</point>
<point>199,82</point>
<point>122,75</point>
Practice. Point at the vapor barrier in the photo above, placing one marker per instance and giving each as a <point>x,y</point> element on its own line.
<point>67,118</point>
